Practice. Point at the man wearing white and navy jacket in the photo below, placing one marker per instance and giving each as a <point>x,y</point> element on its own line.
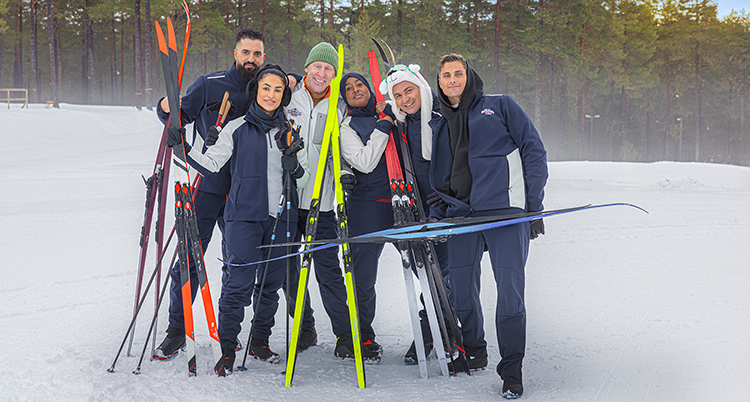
<point>309,109</point>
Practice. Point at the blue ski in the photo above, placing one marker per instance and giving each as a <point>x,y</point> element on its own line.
<point>436,230</point>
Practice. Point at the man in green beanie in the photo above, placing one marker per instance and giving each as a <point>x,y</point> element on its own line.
<point>309,109</point>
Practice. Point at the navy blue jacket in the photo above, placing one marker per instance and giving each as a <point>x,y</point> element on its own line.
<point>247,199</point>
<point>209,88</point>
<point>507,159</point>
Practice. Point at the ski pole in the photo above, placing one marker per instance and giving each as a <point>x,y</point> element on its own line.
<point>156,315</point>
<point>143,299</point>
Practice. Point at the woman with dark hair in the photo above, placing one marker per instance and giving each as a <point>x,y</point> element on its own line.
<point>363,141</point>
<point>254,147</point>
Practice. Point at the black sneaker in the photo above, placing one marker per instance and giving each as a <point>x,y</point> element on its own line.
<point>226,365</point>
<point>411,355</point>
<point>260,350</point>
<point>307,338</point>
<point>512,387</point>
<point>173,343</point>
<point>345,349</point>
<point>459,364</point>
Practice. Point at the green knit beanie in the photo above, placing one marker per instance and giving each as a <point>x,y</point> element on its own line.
<point>324,52</point>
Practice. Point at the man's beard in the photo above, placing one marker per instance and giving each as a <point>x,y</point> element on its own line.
<point>248,72</point>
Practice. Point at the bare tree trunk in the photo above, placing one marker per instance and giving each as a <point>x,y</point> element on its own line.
<point>610,119</point>
<point>289,35</point>
<point>2,77</point>
<point>112,62</point>
<point>550,94</point>
<point>89,51</point>
<point>137,59</point>
<point>538,97</point>
<point>698,91</point>
<point>84,70</point>
<point>122,62</point>
<point>240,15</point>
<point>322,15</point>
<point>729,124</point>
<point>496,17</point>
<point>52,56</point>
<point>149,81</point>
<point>564,108</point>
<point>624,122</point>
<point>34,77</point>
<point>646,149</point>
<point>399,25</point>
<point>581,119</point>
<point>59,53</point>
<point>18,52</point>
<point>330,9</point>
<point>668,121</point>
<point>264,17</point>
<point>742,105</point>
<point>538,92</point>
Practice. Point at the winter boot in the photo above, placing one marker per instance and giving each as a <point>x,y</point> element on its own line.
<point>459,364</point>
<point>226,365</point>
<point>307,338</point>
<point>411,355</point>
<point>373,346</point>
<point>345,349</point>
<point>172,343</point>
<point>260,350</point>
<point>512,387</point>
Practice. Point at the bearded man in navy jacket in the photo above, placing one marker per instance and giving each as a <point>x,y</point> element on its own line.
<point>210,198</point>
<point>490,161</point>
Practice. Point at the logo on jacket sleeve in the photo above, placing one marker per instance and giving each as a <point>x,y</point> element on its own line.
<point>488,112</point>
<point>294,112</point>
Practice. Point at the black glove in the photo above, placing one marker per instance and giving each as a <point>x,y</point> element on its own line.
<point>282,139</point>
<point>348,181</point>
<point>291,165</point>
<point>212,136</point>
<point>434,200</point>
<point>175,136</point>
<point>537,228</point>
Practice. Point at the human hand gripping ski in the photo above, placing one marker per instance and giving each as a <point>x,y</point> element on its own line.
<point>185,220</point>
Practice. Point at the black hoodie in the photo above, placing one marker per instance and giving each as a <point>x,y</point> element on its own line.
<point>458,128</point>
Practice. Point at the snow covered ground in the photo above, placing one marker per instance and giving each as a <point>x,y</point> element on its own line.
<point>622,305</point>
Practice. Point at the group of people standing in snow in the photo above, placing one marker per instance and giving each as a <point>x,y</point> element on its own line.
<point>474,154</point>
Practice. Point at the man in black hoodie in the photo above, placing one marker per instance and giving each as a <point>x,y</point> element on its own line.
<point>491,161</point>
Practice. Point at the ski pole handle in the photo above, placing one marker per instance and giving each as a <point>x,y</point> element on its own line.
<point>222,110</point>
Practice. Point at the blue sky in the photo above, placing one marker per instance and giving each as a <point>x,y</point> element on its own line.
<point>726,6</point>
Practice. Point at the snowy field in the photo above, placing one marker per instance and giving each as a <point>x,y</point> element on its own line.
<point>622,305</point>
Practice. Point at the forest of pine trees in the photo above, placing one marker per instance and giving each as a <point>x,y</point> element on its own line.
<point>622,80</point>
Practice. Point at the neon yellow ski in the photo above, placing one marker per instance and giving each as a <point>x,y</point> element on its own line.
<point>331,136</point>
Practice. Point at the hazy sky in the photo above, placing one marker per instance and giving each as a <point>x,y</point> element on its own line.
<point>726,6</point>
